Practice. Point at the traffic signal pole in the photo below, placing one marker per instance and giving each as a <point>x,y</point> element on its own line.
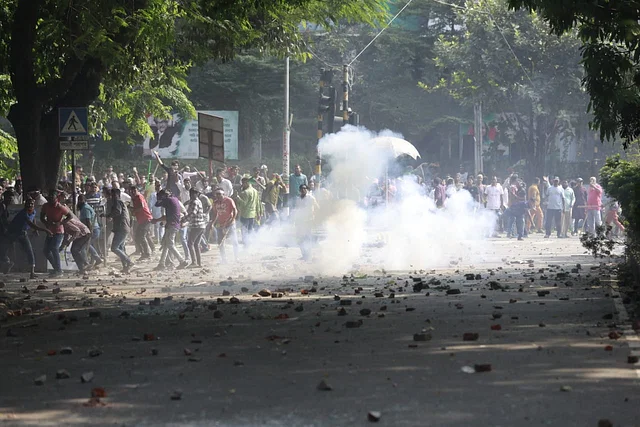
<point>286,135</point>
<point>318,168</point>
<point>345,94</point>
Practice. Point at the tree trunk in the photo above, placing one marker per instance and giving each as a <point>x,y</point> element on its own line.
<point>38,146</point>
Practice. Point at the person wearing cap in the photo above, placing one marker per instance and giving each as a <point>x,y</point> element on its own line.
<point>249,208</point>
<point>53,215</point>
<point>197,220</point>
<point>579,212</point>
<point>594,205</point>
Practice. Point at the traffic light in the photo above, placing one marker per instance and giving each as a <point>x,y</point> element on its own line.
<point>354,118</point>
<point>328,106</point>
<point>326,76</point>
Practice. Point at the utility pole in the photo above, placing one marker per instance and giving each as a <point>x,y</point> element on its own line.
<point>318,169</point>
<point>345,94</point>
<point>477,131</point>
<point>286,136</point>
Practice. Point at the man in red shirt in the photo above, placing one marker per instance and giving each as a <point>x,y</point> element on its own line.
<point>53,215</point>
<point>224,214</point>
<point>143,220</point>
<point>594,204</point>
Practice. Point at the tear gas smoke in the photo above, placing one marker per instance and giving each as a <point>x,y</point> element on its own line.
<point>409,233</point>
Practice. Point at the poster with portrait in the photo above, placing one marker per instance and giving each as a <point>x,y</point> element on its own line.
<point>178,138</point>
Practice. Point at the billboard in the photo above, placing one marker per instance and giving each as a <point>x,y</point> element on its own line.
<point>211,137</point>
<point>178,138</point>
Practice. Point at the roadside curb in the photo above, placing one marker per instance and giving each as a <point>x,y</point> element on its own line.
<point>630,336</point>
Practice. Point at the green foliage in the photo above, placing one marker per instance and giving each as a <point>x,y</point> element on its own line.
<point>8,155</point>
<point>611,55</point>
<point>128,58</point>
<point>620,180</point>
<point>600,244</point>
<point>509,61</point>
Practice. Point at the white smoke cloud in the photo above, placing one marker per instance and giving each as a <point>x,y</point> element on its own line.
<point>408,234</point>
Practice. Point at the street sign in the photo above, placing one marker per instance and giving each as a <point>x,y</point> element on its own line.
<point>73,121</point>
<point>211,137</point>
<point>74,144</point>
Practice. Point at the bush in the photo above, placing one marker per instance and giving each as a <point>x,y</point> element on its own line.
<point>621,180</point>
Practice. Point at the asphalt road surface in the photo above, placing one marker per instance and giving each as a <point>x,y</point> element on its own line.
<point>522,334</point>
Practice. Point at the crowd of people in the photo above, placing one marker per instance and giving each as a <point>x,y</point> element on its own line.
<point>567,207</point>
<point>182,213</point>
<point>182,208</point>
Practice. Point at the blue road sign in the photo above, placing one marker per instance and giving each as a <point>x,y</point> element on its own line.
<point>73,121</point>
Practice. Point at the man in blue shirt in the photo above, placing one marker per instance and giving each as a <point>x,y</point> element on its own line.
<point>88,216</point>
<point>296,179</point>
<point>17,232</point>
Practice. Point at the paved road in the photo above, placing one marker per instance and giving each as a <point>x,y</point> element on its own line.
<point>260,363</point>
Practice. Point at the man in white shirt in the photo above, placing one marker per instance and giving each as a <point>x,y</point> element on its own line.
<point>569,201</point>
<point>555,207</point>
<point>495,200</point>
<point>224,183</point>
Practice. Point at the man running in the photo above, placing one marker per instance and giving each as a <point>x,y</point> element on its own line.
<point>89,218</point>
<point>143,219</point>
<point>197,220</point>
<point>53,215</point>
<point>17,232</point>
<point>173,211</point>
<point>120,228</point>
<point>224,221</point>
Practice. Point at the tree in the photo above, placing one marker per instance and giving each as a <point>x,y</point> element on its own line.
<point>610,50</point>
<point>383,90</point>
<point>125,58</point>
<point>509,61</point>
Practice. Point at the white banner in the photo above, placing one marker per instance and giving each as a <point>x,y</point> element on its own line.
<point>177,138</point>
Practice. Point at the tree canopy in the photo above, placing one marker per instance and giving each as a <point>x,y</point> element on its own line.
<point>126,58</point>
<point>509,61</point>
<point>609,31</point>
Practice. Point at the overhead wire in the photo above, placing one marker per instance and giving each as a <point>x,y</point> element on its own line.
<point>319,58</point>
<point>380,32</point>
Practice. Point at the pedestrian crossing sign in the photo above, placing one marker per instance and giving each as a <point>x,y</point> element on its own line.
<point>73,121</point>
